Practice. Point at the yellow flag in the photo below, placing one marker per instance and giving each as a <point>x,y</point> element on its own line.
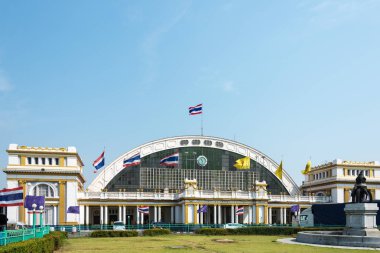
<point>307,169</point>
<point>278,172</point>
<point>243,163</point>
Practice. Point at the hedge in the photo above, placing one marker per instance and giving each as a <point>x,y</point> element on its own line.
<point>156,231</point>
<point>49,243</point>
<point>258,230</point>
<point>113,233</point>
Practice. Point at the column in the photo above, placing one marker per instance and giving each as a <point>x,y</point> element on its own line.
<point>159,214</point>
<point>285,221</point>
<point>62,201</point>
<point>101,215</point>
<point>249,214</point>
<point>54,215</point>
<point>141,218</point>
<point>236,216</point>
<point>232,214</point>
<point>124,214</point>
<point>155,214</point>
<point>281,216</point>
<point>219,214</point>
<point>87,215</point>
<point>21,209</point>
<point>120,214</point>
<point>172,220</point>
<point>266,214</point>
<point>215,214</point>
<point>201,218</point>
<point>196,214</point>
<point>106,215</point>
<point>270,215</point>
<point>137,215</point>
<point>81,215</point>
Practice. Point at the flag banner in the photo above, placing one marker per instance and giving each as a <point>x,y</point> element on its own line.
<point>12,197</point>
<point>134,160</point>
<point>294,208</point>
<point>307,169</point>
<point>73,209</point>
<point>171,160</point>
<point>194,110</point>
<point>240,211</point>
<point>143,209</point>
<point>243,163</point>
<point>30,200</point>
<point>278,172</point>
<point>202,209</point>
<point>99,162</point>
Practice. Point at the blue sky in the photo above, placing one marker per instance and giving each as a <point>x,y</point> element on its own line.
<point>294,79</point>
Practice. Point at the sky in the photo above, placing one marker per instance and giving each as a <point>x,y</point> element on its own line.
<point>295,79</point>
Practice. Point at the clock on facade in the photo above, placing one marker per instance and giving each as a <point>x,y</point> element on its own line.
<point>202,160</point>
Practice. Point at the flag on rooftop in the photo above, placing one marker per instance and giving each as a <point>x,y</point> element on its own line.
<point>170,160</point>
<point>143,209</point>
<point>278,172</point>
<point>294,208</point>
<point>99,162</point>
<point>12,197</point>
<point>243,163</point>
<point>307,169</point>
<point>194,110</point>
<point>240,211</point>
<point>134,160</point>
<point>73,209</point>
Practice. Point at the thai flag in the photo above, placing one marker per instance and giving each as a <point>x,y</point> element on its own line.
<point>143,209</point>
<point>99,162</point>
<point>134,160</point>
<point>171,160</point>
<point>240,211</point>
<point>12,197</point>
<point>194,110</point>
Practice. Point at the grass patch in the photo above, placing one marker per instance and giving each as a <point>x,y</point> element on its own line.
<point>192,243</point>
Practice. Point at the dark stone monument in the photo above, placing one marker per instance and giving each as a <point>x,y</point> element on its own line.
<point>360,193</point>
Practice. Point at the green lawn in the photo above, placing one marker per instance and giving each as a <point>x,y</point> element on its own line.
<point>190,243</point>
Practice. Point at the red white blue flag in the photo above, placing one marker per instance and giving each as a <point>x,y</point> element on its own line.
<point>134,160</point>
<point>240,211</point>
<point>12,197</point>
<point>143,209</point>
<point>194,110</point>
<point>99,162</point>
<point>171,160</point>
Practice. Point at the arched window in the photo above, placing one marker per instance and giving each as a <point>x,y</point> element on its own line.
<point>43,190</point>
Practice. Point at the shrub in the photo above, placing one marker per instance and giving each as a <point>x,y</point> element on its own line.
<point>112,233</point>
<point>258,230</point>
<point>156,231</point>
<point>47,244</point>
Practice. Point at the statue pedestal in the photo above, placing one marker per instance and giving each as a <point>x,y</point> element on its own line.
<point>361,219</point>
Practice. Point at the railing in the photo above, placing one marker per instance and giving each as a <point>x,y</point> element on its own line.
<point>10,236</point>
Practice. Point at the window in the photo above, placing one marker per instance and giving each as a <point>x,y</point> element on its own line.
<point>43,160</point>
<point>207,143</point>
<point>50,160</point>
<point>29,160</point>
<point>184,142</point>
<point>219,144</point>
<point>43,190</point>
<point>195,142</point>
<point>56,161</point>
<point>35,160</point>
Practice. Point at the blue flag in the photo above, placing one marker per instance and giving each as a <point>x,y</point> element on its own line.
<point>73,209</point>
<point>202,209</point>
<point>30,200</point>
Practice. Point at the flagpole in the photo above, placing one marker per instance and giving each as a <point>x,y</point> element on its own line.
<point>104,172</point>
<point>202,121</point>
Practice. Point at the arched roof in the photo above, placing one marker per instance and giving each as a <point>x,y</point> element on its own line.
<point>116,166</point>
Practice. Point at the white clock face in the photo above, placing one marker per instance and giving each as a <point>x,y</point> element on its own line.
<point>202,160</point>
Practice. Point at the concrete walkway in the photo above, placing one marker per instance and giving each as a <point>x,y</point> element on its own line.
<point>293,241</point>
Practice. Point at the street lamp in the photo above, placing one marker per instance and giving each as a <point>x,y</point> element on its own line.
<point>41,212</point>
<point>34,215</point>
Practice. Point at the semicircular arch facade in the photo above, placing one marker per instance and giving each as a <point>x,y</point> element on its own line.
<point>116,166</point>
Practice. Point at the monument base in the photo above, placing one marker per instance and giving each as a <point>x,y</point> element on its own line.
<point>361,219</point>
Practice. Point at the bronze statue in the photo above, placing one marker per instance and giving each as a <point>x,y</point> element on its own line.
<point>360,192</point>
